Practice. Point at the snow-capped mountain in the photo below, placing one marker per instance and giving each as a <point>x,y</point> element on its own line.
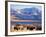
<point>27,13</point>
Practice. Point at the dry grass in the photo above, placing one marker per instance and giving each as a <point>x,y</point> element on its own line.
<point>23,28</point>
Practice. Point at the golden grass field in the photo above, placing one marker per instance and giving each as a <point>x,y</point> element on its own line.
<point>23,28</point>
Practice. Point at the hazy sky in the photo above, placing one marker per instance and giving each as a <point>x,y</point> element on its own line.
<point>13,6</point>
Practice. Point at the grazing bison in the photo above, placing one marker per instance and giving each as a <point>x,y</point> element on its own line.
<point>15,28</point>
<point>18,27</point>
<point>30,28</point>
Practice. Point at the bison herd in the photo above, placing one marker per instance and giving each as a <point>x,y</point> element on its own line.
<point>24,27</point>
